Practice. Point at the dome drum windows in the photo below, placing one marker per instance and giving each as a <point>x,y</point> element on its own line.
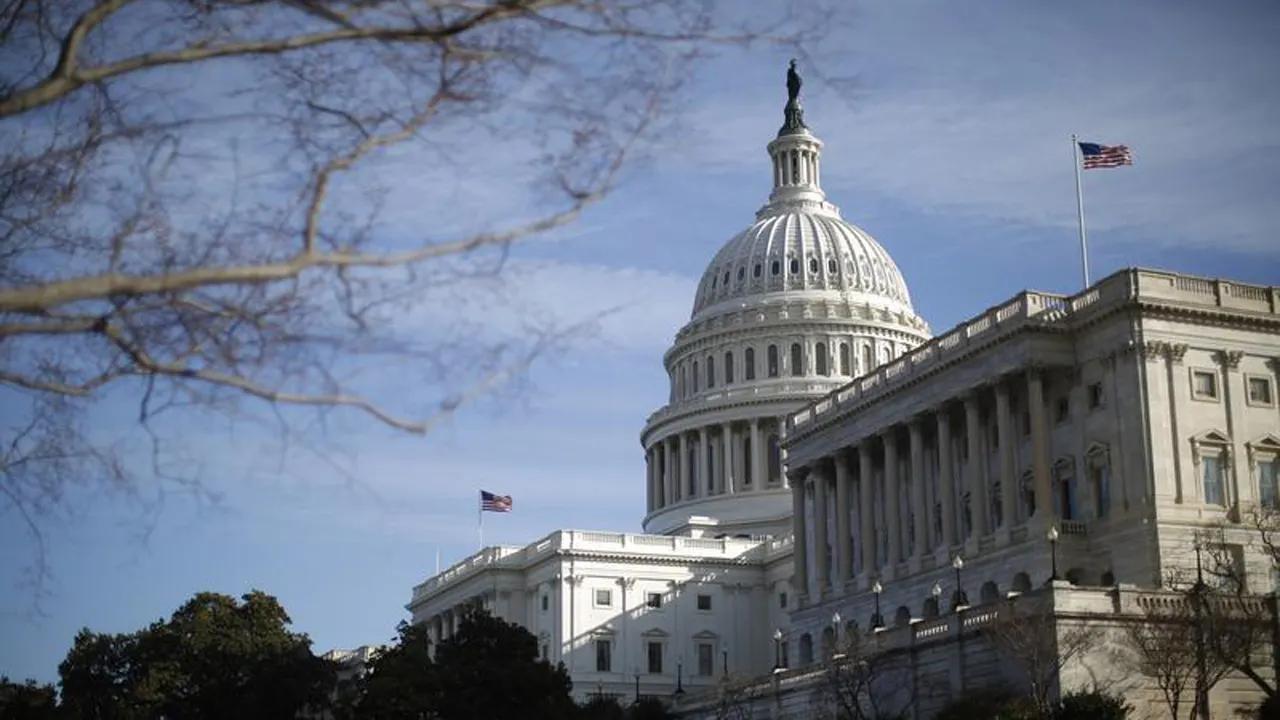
<point>773,361</point>
<point>775,268</point>
<point>795,266</point>
<point>820,358</point>
<point>711,372</point>
<point>813,265</point>
<point>742,274</point>
<point>755,272</point>
<point>797,360</point>
<point>749,364</point>
<point>728,368</point>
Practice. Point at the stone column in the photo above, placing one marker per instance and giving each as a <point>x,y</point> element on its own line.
<point>921,510</point>
<point>1039,447</point>
<point>866,525</point>
<point>799,524</point>
<point>893,499</point>
<point>844,541</point>
<point>726,461</point>
<point>704,471</point>
<point>1008,463</point>
<point>682,486</point>
<point>759,462</point>
<point>671,479</point>
<point>821,561</point>
<point>1233,394</point>
<point>973,468</point>
<point>946,482</point>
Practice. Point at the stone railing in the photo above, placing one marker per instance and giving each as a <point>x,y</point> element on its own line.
<point>1040,308</point>
<point>769,389</point>
<point>588,541</point>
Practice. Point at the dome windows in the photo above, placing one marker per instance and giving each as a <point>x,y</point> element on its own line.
<point>773,361</point>
<point>742,273</point>
<point>813,265</point>
<point>844,358</point>
<point>726,278</point>
<point>749,362</point>
<point>711,372</point>
<point>728,368</point>
<point>797,360</point>
<point>776,268</point>
<point>795,266</point>
<point>831,266</point>
<point>820,358</point>
<point>755,272</point>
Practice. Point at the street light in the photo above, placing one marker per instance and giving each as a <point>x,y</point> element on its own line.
<point>680,677</point>
<point>1053,550</point>
<point>937,596</point>
<point>835,634</point>
<point>725,654</point>
<point>637,669</point>
<point>876,621</point>
<point>777,649</point>
<point>962,602</point>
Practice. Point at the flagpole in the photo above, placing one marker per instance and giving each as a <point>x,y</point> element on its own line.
<point>480,523</point>
<point>1084,244</point>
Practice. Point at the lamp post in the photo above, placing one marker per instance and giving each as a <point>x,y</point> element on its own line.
<point>962,602</point>
<point>1052,536</point>
<point>936,591</point>
<point>877,622</point>
<point>679,678</point>
<point>835,635</point>
<point>724,653</point>
<point>637,685</point>
<point>777,649</point>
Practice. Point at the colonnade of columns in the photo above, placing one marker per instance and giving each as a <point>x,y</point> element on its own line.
<point>796,166</point>
<point>896,515</point>
<point>722,459</point>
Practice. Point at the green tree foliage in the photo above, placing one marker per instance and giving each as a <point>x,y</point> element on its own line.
<point>27,701</point>
<point>216,657</point>
<point>488,669</point>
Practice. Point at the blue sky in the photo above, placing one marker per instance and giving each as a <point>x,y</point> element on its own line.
<point>947,132</point>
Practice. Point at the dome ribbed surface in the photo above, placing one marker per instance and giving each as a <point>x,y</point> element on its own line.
<point>801,250</point>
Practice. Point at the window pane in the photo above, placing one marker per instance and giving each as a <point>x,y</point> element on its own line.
<point>604,656</point>
<point>706,658</point>
<point>1260,390</point>
<point>1206,384</point>
<point>1213,480</point>
<point>1267,490</point>
<point>655,657</point>
<point>796,358</point>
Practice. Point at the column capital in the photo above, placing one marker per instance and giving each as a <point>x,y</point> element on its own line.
<point>1228,359</point>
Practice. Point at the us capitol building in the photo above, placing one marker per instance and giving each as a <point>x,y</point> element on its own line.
<point>825,467</point>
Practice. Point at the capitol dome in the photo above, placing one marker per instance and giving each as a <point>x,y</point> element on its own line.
<point>794,307</point>
<point>793,251</point>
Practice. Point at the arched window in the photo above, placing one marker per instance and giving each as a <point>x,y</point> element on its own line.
<point>711,372</point>
<point>776,267</point>
<point>680,375</point>
<point>795,266</point>
<point>1022,582</point>
<point>695,376</point>
<point>806,649</point>
<point>749,364</point>
<point>755,272</point>
<point>742,273</point>
<point>989,592</point>
<point>820,357</point>
<point>931,607</point>
<point>831,266</point>
<point>813,265</point>
<point>902,617</point>
<point>728,368</point>
<point>866,360</point>
<point>797,365</point>
<point>773,361</point>
<point>844,358</point>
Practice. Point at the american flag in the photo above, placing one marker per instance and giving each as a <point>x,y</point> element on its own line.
<point>1105,156</point>
<point>494,503</point>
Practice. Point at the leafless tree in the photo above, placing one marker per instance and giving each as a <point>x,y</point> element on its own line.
<point>1162,647</point>
<point>1040,645</point>
<point>862,682</point>
<point>193,196</point>
<point>738,697</point>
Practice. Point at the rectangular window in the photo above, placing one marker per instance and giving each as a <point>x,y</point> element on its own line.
<point>604,656</point>
<point>1063,412</point>
<point>782,600</point>
<point>604,598</point>
<point>706,659</point>
<point>1095,396</point>
<point>1260,391</point>
<point>655,658</point>
<point>1101,489</point>
<point>1211,465</point>
<point>546,603</point>
<point>1268,491</point>
<point>1204,384</point>
<point>704,602</point>
<point>653,600</point>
